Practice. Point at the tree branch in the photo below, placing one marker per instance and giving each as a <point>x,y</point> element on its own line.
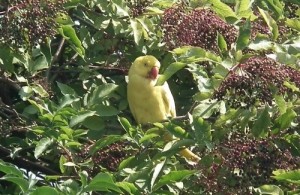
<point>25,163</point>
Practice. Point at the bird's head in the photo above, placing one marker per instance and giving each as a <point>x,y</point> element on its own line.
<point>145,66</point>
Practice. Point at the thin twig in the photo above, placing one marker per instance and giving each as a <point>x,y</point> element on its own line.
<point>25,163</point>
<point>55,57</point>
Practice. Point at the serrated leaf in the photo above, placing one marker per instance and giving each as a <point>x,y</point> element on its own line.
<point>96,123</point>
<point>69,33</point>
<point>103,110</point>
<point>205,109</point>
<point>172,177</point>
<point>41,146</point>
<point>289,176</point>
<point>244,35</point>
<point>221,42</point>
<point>128,187</point>
<point>137,30</point>
<point>243,8</point>
<point>156,172</point>
<point>261,43</point>
<point>262,123</point>
<point>65,89</point>
<point>101,92</point>
<point>121,9</point>
<point>222,9</point>
<point>81,117</point>
<point>20,182</point>
<point>275,6</point>
<point>45,190</point>
<point>174,148</point>
<point>62,161</point>
<point>284,121</point>
<point>103,182</point>
<point>126,125</point>
<point>202,131</point>
<point>38,89</point>
<point>171,69</point>
<point>37,64</point>
<point>10,169</point>
<point>270,22</point>
<point>281,104</point>
<point>177,130</point>
<point>293,23</point>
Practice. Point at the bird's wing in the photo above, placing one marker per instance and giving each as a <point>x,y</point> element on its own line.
<point>168,100</point>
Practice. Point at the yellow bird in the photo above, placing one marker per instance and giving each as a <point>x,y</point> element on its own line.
<point>149,103</point>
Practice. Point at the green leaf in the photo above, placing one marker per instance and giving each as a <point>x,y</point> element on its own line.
<point>243,8</point>
<point>10,169</point>
<point>284,121</point>
<point>103,110</point>
<point>157,169</point>
<point>38,89</point>
<point>205,109</point>
<point>221,42</point>
<point>260,43</point>
<point>41,146</point>
<point>275,6</point>
<point>189,54</point>
<point>62,161</point>
<point>25,93</point>
<point>65,89</point>
<point>37,64</point>
<point>148,136</point>
<point>173,148</point>
<point>126,125</point>
<point>202,131</point>
<point>101,92</point>
<point>102,182</point>
<point>6,56</point>
<point>177,130</point>
<point>270,189</point>
<point>81,117</point>
<point>262,123</point>
<point>271,23</point>
<point>121,9</point>
<point>137,30</point>
<point>171,69</point>
<point>106,141</point>
<point>128,187</point>
<point>244,35</point>
<point>222,9</point>
<point>293,23</point>
<point>289,176</point>
<point>20,182</point>
<point>68,32</point>
<point>172,177</point>
<point>96,123</point>
<point>45,190</point>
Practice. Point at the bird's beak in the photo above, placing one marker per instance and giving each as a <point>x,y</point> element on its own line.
<point>153,73</point>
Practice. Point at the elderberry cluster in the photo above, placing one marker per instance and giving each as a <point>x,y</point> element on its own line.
<point>243,162</point>
<point>108,157</point>
<point>137,7</point>
<point>198,27</point>
<point>257,78</point>
<point>28,22</point>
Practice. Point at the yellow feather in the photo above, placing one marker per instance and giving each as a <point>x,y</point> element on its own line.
<point>149,103</point>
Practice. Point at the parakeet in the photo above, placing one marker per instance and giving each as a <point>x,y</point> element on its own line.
<point>150,103</point>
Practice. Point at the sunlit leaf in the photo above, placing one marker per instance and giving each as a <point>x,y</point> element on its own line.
<point>41,146</point>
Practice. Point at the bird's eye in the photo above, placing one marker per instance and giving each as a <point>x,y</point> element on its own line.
<point>145,64</point>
